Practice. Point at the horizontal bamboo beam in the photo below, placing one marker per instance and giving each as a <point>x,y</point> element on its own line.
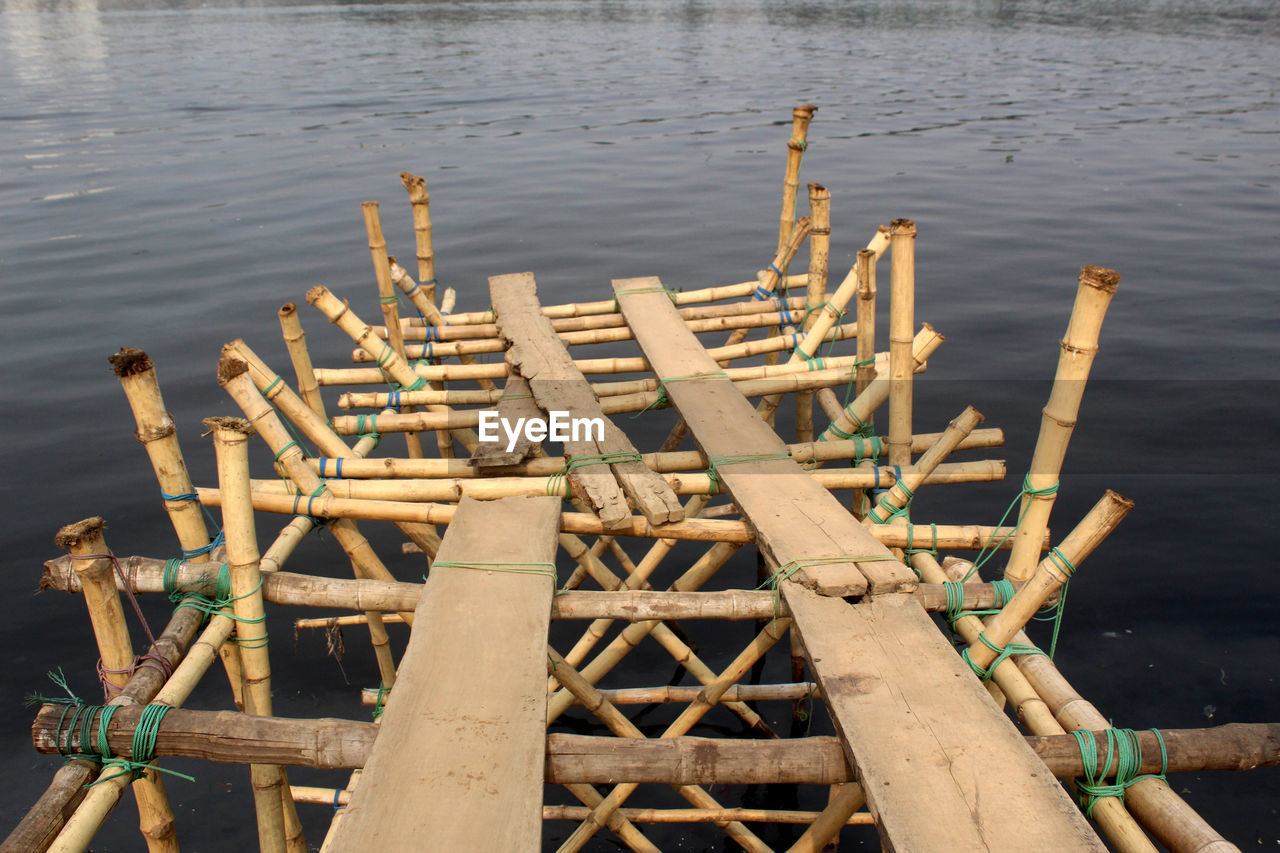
<point>334,744</point>
<point>685,460</point>
<point>608,306</point>
<point>668,693</point>
<point>145,575</point>
<point>450,490</point>
<point>947,537</point>
<point>589,366</point>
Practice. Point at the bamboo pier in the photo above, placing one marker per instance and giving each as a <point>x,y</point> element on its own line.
<point>840,667</point>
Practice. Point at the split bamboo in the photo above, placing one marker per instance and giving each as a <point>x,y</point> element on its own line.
<point>1079,346</point>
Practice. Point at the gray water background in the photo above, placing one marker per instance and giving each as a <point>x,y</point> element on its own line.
<point>171,173</point>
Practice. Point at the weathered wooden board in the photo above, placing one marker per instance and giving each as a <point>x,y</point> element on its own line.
<point>458,761</point>
<point>794,517</point>
<point>942,767</point>
<point>516,402</point>
<point>536,352</point>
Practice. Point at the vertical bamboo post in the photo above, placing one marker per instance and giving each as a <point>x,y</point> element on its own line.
<point>85,542</point>
<point>158,435</point>
<point>295,341</point>
<point>421,201</point>
<point>800,118</point>
<point>866,273</point>
<point>390,302</point>
<point>1058,418</point>
<point>902,285</point>
<point>275,811</point>
<point>819,254</point>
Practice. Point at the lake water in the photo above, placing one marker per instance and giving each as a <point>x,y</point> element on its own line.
<point>171,173</point>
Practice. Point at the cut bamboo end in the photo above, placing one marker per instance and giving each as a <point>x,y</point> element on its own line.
<point>130,362</point>
<point>88,530</point>
<point>229,368</point>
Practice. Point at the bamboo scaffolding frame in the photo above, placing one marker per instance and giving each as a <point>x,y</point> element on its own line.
<point>316,429</point>
<point>690,460</point>
<point>1095,288</point>
<point>406,283</point>
<point>861,409</point>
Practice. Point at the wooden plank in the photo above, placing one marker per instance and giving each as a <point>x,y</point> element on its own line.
<point>516,402</point>
<point>921,731</point>
<point>943,768</point>
<point>804,521</point>
<point>536,352</point>
<point>459,756</point>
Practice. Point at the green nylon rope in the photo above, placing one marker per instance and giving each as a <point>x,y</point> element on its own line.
<point>1124,747</point>
<point>885,504</point>
<point>559,481</point>
<point>989,550</point>
<point>188,595</point>
<point>535,568</point>
<point>716,462</point>
<point>671,294</point>
<point>663,400</point>
<point>789,568</point>
<point>91,737</point>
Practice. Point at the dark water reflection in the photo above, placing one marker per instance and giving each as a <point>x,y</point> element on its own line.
<point>172,173</point>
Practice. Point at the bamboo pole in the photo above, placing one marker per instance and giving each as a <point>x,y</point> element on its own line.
<point>296,342</point>
<point>1079,346</point>
<point>1054,571</point>
<point>420,199</point>
<point>277,820</point>
<point>635,364</point>
<point>800,118</point>
<point>865,272</point>
<point>902,271</point>
<point>452,490</point>
<point>949,536</point>
<point>96,572</point>
<point>901,492</point>
<point>816,293</point>
<point>42,822</point>
<point>158,435</point>
<point>387,298</point>
<point>689,460</point>
<point>396,368</point>
<point>773,276</point>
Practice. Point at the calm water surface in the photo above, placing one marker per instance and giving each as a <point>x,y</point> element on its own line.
<point>171,174</point>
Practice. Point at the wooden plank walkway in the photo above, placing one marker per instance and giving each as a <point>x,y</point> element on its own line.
<point>942,767</point>
<point>458,761</point>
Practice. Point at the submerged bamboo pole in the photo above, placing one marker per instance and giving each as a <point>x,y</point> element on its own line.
<point>420,199</point>
<point>902,277</point>
<point>158,435</point>
<point>1080,344</point>
<point>278,826</point>
<point>296,342</point>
